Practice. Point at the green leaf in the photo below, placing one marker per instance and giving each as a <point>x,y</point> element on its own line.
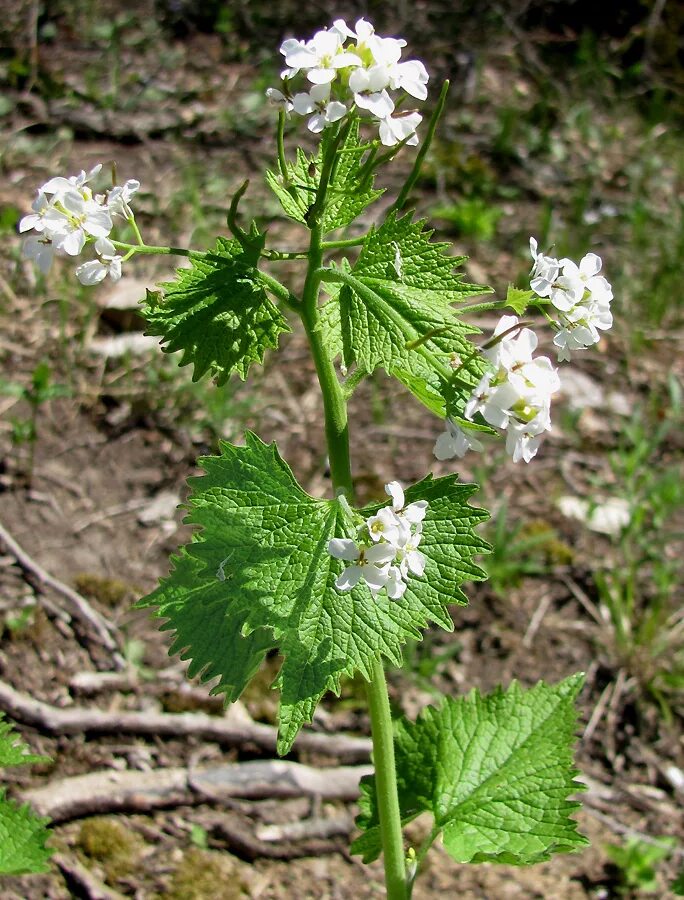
<point>259,575</point>
<point>396,314</point>
<point>495,771</point>
<point>217,312</point>
<point>518,299</point>
<point>348,194</point>
<point>22,833</point>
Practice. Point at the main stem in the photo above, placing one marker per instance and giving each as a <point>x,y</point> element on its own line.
<point>337,437</point>
<point>386,785</point>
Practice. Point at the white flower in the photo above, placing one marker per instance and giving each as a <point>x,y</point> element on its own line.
<point>575,280</point>
<point>72,219</point>
<point>278,98</point>
<point>394,129</point>
<point>492,400</point>
<point>387,525</point>
<point>396,586</point>
<point>544,272</point>
<point>369,87</point>
<point>516,346</point>
<point>410,558</point>
<point>36,220</point>
<point>583,330</point>
<point>60,185</point>
<point>582,297</point>
<point>535,381</point>
<point>107,263</point>
<point>370,563</point>
<point>41,250</point>
<point>119,198</point>
<point>455,441</point>
<point>410,76</point>
<point>321,57</point>
<point>414,512</point>
<point>318,101</point>
<point>523,440</point>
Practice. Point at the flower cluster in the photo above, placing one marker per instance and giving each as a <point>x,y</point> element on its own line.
<point>345,67</point>
<point>580,296</point>
<point>387,549</point>
<point>67,216</point>
<point>515,395</point>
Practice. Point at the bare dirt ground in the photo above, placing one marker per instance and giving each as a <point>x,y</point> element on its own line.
<point>100,513</point>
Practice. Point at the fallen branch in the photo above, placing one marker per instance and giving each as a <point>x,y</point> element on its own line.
<point>81,881</point>
<point>226,730</point>
<point>241,842</point>
<point>306,829</point>
<point>132,791</point>
<point>97,626</point>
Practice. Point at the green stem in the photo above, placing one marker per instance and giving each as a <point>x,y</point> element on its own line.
<point>386,786</point>
<point>334,401</point>
<point>282,162</point>
<point>238,233</point>
<point>279,290</point>
<point>400,202</point>
<point>136,231</point>
<point>150,248</point>
<point>337,437</point>
<point>284,254</point>
<point>345,242</point>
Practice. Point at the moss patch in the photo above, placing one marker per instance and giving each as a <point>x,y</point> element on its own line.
<point>203,874</point>
<point>104,841</point>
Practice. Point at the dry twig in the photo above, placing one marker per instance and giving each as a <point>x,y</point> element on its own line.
<point>224,730</point>
<point>81,881</point>
<point>98,627</point>
<point>318,827</point>
<point>133,791</point>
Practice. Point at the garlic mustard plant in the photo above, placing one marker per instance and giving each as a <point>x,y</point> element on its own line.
<point>337,589</point>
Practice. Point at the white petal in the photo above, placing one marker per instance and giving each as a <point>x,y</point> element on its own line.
<point>590,265</point>
<point>316,123</point>
<point>303,104</point>
<point>380,554</point>
<point>71,243</point>
<point>380,104</point>
<point>92,272</point>
<point>415,512</point>
<point>57,185</point>
<point>396,586</point>
<point>104,247</point>
<point>349,578</point>
<point>98,223</point>
<point>321,76</point>
<point>375,577</point>
<point>416,561</point>
<point>29,222</point>
<point>446,447</point>
<point>346,59</point>
<point>335,111</point>
<point>396,492</point>
<point>343,548</point>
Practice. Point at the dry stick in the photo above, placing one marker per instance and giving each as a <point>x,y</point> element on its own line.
<point>51,719</point>
<point>321,828</point>
<point>133,791</point>
<point>240,841</point>
<point>102,629</point>
<point>81,881</point>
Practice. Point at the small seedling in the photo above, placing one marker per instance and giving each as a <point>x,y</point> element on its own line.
<point>39,392</point>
